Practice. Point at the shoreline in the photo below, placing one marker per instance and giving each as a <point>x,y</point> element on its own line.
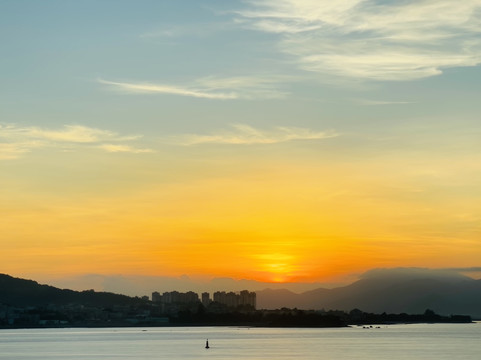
<point>238,325</point>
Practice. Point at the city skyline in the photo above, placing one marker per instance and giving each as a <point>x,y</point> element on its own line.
<point>230,299</point>
<point>296,142</point>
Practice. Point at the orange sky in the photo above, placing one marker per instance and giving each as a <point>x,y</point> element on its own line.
<point>254,219</point>
<point>268,140</point>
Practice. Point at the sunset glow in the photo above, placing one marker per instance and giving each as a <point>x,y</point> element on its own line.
<point>245,142</point>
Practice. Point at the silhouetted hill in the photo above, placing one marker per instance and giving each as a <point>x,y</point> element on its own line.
<point>138,285</point>
<point>276,299</point>
<point>20,292</point>
<point>391,291</point>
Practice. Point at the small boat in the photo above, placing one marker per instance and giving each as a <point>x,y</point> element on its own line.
<point>207,344</point>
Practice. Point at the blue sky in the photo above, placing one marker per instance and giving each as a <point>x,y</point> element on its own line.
<point>369,106</point>
<point>74,63</point>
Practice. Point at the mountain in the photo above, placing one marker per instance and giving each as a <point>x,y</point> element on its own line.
<point>20,292</point>
<point>383,290</point>
<point>139,285</point>
<point>388,290</point>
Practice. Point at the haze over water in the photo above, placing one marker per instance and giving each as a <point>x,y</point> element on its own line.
<point>394,342</point>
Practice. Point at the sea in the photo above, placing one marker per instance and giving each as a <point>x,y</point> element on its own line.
<point>391,342</point>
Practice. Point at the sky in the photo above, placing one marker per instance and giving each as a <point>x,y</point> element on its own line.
<point>289,141</point>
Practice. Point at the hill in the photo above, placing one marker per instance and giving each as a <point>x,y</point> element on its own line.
<point>391,291</point>
<point>22,293</point>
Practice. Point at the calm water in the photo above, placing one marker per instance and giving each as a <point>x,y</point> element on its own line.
<point>423,341</point>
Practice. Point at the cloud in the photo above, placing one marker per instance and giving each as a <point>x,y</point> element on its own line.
<point>67,134</point>
<point>372,39</point>
<point>123,148</point>
<point>208,88</point>
<point>12,151</point>
<point>247,135</point>
<point>16,141</point>
<point>198,30</point>
<point>368,102</point>
<point>145,88</point>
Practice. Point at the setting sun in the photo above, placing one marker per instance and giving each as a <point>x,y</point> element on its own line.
<point>278,267</point>
<point>165,148</point>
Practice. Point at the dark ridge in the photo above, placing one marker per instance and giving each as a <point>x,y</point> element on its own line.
<point>22,293</point>
<point>391,291</point>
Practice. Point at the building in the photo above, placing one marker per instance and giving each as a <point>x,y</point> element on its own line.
<point>233,300</point>
<point>206,299</point>
<point>175,297</point>
<point>156,297</point>
<point>248,298</point>
<point>229,299</point>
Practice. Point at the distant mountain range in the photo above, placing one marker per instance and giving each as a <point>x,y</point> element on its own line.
<point>392,291</point>
<point>140,285</point>
<point>408,290</point>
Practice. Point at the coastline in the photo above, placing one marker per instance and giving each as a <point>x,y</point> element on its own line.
<point>319,321</point>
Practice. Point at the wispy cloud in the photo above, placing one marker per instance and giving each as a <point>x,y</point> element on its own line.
<point>146,88</point>
<point>246,135</point>
<point>14,150</point>
<point>372,39</point>
<point>190,29</point>
<point>123,148</point>
<point>16,140</point>
<point>208,88</point>
<point>67,134</point>
<point>368,102</point>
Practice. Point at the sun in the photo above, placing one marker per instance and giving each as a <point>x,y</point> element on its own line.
<point>277,267</point>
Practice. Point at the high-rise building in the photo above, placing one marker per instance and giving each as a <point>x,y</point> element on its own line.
<point>219,296</point>
<point>229,299</point>
<point>175,297</point>
<point>205,298</point>
<point>156,297</point>
<point>233,300</point>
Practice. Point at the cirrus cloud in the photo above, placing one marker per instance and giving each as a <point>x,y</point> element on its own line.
<point>247,135</point>
<point>372,39</point>
<point>16,141</point>
<point>114,148</point>
<point>214,88</point>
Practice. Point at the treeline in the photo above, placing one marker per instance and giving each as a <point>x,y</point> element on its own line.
<point>260,318</point>
<point>308,318</point>
<point>358,317</point>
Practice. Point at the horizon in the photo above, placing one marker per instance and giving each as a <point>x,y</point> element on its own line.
<point>133,285</point>
<point>280,142</point>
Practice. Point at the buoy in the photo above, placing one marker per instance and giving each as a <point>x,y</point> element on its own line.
<point>207,344</point>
